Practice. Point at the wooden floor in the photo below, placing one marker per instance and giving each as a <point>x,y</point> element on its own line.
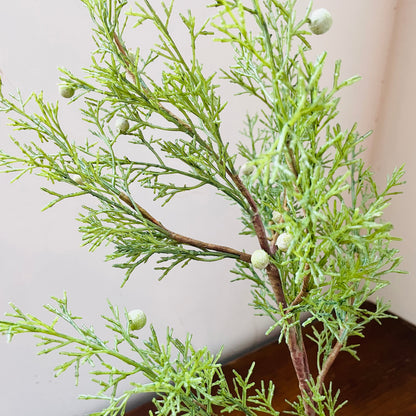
<point>383,383</point>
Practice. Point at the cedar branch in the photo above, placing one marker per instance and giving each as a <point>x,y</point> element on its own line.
<point>181,238</point>
<point>295,341</point>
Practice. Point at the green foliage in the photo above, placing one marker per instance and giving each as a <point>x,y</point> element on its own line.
<point>185,379</point>
<point>306,167</point>
<point>324,402</point>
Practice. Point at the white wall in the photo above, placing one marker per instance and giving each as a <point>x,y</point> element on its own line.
<point>394,144</point>
<point>40,251</point>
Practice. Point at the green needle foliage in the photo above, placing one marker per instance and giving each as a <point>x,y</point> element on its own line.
<point>186,379</point>
<point>302,178</point>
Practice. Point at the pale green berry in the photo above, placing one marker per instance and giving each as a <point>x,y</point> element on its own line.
<point>66,91</point>
<point>260,259</point>
<point>137,319</point>
<point>78,179</point>
<point>277,217</point>
<point>320,21</point>
<point>247,169</point>
<point>283,241</point>
<point>122,125</point>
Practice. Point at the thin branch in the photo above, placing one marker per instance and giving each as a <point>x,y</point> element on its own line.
<point>291,160</point>
<point>304,289</point>
<point>183,125</point>
<point>328,363</point>
<point>142,211</point>
<point>273,241</point>
<point>256,219</point>
<point>181,238</point>
<point>122,50</point>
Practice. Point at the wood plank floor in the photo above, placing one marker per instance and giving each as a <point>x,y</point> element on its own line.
<point>382,383</point>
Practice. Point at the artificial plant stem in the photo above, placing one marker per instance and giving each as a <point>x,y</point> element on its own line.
<point>295,339</point>
<point>255,215</point>
<point>336,349</point>
<point>204,408</point>
<point>97,349</point>
<point>300,363</point>
<point>303,290</point>
<point>143,212</point>
<point>328,363</point>
<point>169,115</point>
<point>184,239</point>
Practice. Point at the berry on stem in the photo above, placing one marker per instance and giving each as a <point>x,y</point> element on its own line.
<point>137,319</point>
<point>122,125</point>
<point>260,259</point>
<point>320,21</point>
<point>78,179</point>
<point>283,241</point>
<point>277,217</point>
<point>66,91</point>
<point>247,169</point>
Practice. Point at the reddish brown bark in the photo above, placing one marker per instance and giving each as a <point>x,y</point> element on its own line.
<point>181,238</point>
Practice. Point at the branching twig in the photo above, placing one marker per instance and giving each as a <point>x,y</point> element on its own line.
<point>178,121</point>
<point>291,160</point>
<point>123,51</point>
<point>183,239</point>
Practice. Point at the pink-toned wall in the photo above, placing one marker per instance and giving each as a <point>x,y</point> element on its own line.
<point>394,144</point>
<point>40,253</point>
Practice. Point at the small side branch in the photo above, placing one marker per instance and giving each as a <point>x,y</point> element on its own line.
<point>181,238</point>
<point>126,199</point>
<point>256,220</point>
<point>328,364</point>
<point>303,290</point>
<point>123,51</point>
<point>183,125</point>
<point>291,160</point>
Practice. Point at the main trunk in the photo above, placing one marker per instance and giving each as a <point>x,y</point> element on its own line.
<point>294,342</point>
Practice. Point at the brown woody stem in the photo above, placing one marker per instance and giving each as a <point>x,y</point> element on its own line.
<point>328,363</point>
<point>303,290</point>
<point>336,349</point>
<point>300,363</point>
<point>181,238</point>
<point>295,339</point>
<point>256,219</point>
<point>126,199</point>
<point>203,407</point>
<point>295,342</point>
